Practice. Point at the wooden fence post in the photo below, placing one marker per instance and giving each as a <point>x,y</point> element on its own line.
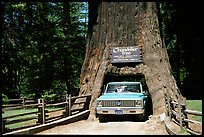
<point>183,108</point>
<point>88,99</point>
<point>24,101</point>
<point>67,105</point>
<point>41,110</point>
<point>70,101</point>
<point>3,123</point>
<point>180,116</point>
<point>169,106</point>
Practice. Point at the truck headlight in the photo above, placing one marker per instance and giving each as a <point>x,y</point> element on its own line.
<point>99,103</point>
<point>138,103</point>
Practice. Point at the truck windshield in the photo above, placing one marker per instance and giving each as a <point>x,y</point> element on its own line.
<point>122,88</point>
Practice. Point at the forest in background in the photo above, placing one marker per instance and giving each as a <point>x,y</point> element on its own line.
<point>44,44</point>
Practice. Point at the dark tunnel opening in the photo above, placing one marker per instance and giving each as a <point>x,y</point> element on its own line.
<point>129,78</point>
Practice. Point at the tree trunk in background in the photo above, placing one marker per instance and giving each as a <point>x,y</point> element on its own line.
<point>189,25</point>
<point>67,32</point>
<point>120,24</point>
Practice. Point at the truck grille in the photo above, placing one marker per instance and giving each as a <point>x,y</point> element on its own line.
<point>119,103</point>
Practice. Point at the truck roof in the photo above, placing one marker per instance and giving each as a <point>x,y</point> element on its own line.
<point>124,82</point>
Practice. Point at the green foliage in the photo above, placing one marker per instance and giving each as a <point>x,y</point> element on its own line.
<point>49,95</point>
<point>182,37</point>
<point>56,93</point>
<point>4,99</point>
<point>35,49</point>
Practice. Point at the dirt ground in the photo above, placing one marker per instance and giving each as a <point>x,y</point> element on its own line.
<point>123,127</point>
<point>153,126</point>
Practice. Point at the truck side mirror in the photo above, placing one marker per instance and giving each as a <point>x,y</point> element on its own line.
<point>144,92</point>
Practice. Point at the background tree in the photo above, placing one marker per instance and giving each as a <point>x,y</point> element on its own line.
<point>182,33</point>
<point>35,48</point>
<point>190,30</point>
<point>34,44</point>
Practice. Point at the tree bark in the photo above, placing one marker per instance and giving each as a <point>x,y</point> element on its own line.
<point>123,24</point>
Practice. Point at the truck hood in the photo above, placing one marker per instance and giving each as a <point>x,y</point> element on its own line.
<point>121,96</point>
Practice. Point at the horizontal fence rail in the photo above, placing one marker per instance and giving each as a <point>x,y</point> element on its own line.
<point>44,113</point>
<point>18,117</point>
<point>177,112</point>
<point>19,102</point>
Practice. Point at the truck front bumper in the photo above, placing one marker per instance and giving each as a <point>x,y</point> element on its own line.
<point>118,110</point>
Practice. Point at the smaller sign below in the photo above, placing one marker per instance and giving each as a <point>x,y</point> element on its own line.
<point>125,54</point>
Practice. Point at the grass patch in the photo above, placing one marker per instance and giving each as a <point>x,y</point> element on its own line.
<point>195,105</point>
<point>14,112</point>
<point>21,111</point>
<point>183,131</point>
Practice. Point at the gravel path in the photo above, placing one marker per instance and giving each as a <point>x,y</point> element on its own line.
<point>93,127</point>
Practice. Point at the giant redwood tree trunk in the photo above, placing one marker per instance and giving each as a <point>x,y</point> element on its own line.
<point>122,24</point>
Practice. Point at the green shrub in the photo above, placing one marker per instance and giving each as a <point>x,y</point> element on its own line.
<point>49,95</point>
<point>56,93</point>
<point>5,99</point>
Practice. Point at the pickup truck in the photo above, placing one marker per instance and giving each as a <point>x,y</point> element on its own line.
<point>122,98</point>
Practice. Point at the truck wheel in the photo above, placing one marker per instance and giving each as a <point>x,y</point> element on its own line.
<point>101,118</point>
<point>142,117</point>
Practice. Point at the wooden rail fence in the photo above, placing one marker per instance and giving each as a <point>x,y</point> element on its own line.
<point>42,114</point>
<point>178,113</point>
<point>19,102</point>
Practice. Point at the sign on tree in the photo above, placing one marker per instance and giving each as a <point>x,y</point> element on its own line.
<point>125,54</point>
